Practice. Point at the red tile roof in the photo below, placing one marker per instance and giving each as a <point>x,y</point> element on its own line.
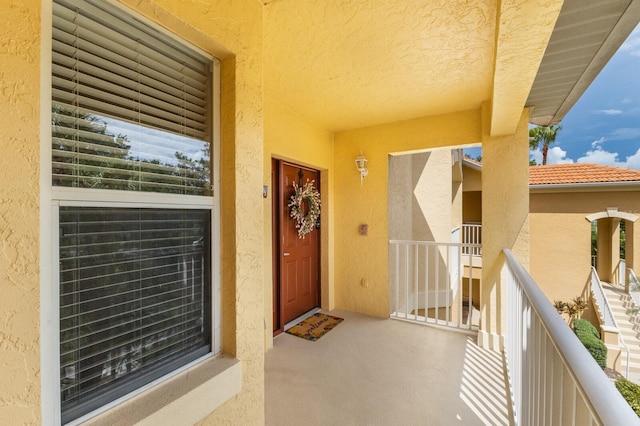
<point>580,173</point>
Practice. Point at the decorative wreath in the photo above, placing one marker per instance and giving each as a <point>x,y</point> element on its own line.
<point>306,192</point>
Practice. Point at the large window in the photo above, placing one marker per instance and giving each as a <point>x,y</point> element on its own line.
<point>132,111</point>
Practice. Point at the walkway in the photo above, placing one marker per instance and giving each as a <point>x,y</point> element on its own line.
<point>620,305</point>
<point>370,371</point>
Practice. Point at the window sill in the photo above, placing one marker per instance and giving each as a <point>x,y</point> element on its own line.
<point>184,399</point>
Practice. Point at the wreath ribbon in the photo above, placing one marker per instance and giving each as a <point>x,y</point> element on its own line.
<point>307,192</point>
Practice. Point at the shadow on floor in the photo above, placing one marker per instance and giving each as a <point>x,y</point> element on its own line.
<point>370,371</point>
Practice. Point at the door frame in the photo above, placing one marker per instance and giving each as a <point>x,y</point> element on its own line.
<point>276,240</point>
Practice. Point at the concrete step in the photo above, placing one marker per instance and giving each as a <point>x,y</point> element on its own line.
<point>629,331</point>
<point>634,366</point>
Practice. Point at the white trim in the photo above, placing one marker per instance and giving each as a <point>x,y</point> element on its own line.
<point>49,323</point>
<point>586,187</point>
<point>138,391</point>
<point>51,198</point>
<point>78,196</point>
<point>216,228</point>
<point>140,17</point>
<point>612,212</point>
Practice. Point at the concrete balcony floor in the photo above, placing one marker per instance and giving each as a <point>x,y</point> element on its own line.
<point>370,371</point>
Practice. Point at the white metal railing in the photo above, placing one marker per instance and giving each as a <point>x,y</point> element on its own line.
<point>429,284</point>
<point>607,319</point>
<point>621,273</point>
<point>634,287</point>
<point>552,377</point>
<point>472,235</point>
<point>606,314</point>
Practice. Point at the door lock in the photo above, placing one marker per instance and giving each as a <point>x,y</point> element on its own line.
<point>286,254</point>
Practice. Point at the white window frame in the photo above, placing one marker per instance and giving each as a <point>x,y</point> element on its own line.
<point>51,198</point>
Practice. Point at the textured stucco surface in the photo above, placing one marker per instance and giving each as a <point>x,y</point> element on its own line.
<point>412,59</point>
<point>434,60</point>
<point>220,27</point>
<point>231,31</point>
<point>357,256</point>
<point>19,212</point>
<point>505,221</point>
<point>518,55</point>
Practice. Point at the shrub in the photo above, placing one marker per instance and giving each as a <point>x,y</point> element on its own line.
<point>590,338</point>
<point>631,392</point>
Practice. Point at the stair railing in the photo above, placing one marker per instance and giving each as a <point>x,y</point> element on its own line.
<point>633,287</point>
<point>606,313</point>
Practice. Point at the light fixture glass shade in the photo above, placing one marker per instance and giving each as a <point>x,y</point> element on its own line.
<point>361,164</point>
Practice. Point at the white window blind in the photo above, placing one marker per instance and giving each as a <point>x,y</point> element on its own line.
<point>131,106</point>
<point>131,111</point>
<point>134,299</point>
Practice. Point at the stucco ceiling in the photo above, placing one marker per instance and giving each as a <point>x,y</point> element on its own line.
<point>347,64</point>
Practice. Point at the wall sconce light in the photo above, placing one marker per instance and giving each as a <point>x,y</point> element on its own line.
<point>361,164</point>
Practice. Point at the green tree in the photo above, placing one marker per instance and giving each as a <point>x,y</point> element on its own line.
<point>543,136</point>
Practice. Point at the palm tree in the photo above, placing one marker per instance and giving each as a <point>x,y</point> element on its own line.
<point>545,136</point>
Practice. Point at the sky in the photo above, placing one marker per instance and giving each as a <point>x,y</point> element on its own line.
<point>603,126</point>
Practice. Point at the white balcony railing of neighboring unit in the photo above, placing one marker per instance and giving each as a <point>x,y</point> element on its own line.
<point>607,319</point>
<point>634,287</point>
<point>472,235</point>
<point>429,284</point>
<point>553,379</point>
<point>606,314</point>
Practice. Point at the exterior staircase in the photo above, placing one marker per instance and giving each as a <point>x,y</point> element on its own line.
<point>622,306</point>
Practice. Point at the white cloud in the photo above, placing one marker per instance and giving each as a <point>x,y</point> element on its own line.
<point>608,111</point>
<point>633,161</point>
<point>606,158</point>
<point>597,155</point>
<point>597,143</point>
<point>600,156</point>
<point>555,155</point>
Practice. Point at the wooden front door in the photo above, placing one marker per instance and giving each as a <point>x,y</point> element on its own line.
<point>298,259</point>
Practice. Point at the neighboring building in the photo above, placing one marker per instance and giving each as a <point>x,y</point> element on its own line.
<point>150,153</point>
<point>565,199</point>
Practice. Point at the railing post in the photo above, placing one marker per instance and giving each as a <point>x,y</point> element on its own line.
<point>582,394</point>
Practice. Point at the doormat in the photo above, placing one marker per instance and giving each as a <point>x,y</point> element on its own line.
<point>314,327</point>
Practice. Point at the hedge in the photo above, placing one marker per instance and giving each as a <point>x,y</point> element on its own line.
<point>590,338</point>
<point>631,392</point>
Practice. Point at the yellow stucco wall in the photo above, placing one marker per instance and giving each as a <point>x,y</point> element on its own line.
<point>357,256</point>
<point>236,39</point>
<point>19,212</point>
<point>505,211</point>
<point>238,30</point>
<point>291,137</point>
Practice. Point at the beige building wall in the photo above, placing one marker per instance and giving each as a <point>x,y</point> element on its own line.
<point>561,237</point>
<point>471,195</point>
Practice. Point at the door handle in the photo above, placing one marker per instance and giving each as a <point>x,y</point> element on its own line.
<point>286,254</point>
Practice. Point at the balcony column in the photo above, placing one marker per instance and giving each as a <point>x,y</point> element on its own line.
<point>608,248</point>
<point>505,222</point>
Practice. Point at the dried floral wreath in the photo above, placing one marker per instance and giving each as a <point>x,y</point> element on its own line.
<point>306,192</point>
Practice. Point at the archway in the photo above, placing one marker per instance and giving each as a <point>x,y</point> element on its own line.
<point>614,250</point>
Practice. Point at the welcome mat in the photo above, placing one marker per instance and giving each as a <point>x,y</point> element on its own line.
<point>314,327</point>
